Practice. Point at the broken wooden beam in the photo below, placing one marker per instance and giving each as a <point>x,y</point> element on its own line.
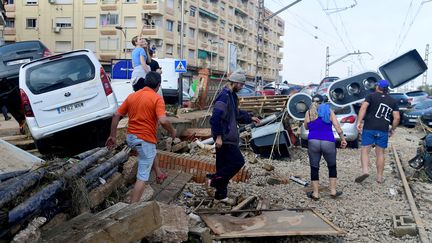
<point>85,163</point>
<point>86,154</point>
<point>98,195</point>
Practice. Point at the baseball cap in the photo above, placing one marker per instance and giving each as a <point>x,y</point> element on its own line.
<point>383,84</point>
<point>238,76</point>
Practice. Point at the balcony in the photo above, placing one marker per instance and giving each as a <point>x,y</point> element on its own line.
<point>192,20</point>
<point>280,66</point>
<point>204,45</point>
<point>280,43</point>
<point>9,7</point>
<point>231,17</point>
<point>205,5</point>
<point>9,31</point>
<point>152,32</point>
<point>214,27</point>
<point>108,5</point>
<point>191,41</point>
<point>221,31</point>
<point>203,24</point>
<point>155,8</point>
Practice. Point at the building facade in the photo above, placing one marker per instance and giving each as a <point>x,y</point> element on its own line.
<point>210,27</point>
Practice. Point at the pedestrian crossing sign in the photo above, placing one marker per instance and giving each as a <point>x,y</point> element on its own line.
<point>180,66</point>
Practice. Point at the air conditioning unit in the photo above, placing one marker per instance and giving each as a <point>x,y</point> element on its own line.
<point>57,29</point>
<point>52,1</point>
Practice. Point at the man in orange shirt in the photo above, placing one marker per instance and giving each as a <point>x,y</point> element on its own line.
<point>145,108</point>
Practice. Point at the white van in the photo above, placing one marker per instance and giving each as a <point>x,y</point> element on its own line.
<point>169,78</point>
<point>67,100</point>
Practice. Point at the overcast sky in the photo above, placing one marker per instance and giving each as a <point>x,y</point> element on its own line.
<point>384,28</point>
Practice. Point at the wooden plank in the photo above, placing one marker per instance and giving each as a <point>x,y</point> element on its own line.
<point>169,193</point>
<point>244,203</point>
<point>13,158</point>
<point>14,138</point>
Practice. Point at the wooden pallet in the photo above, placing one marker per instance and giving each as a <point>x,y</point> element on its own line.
<point>263,104</point>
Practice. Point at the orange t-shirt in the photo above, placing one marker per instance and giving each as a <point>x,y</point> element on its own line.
<point>143,108</point>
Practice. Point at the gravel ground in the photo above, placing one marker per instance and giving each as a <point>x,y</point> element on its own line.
<point>364,210</point>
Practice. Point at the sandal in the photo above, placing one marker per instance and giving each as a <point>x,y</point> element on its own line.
<point>338,194</point>
<point>361,178</point>
<point>311,196</point>
<point>161,178</point>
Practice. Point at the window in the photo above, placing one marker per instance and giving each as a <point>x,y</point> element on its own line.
<point>191,54</point>
<point>90,23</point>
<point>90,1</point>
<point>31,23</point>
<point>10,23</point>
<point>10,1</point>
<point>130,22</point>
<point>169,25</point>
<point>108,19</point>
<point>60,73</point>
<point>170,4</point>
<point>191,33</point>
<point>130,1</point>
<point>91,45</point>
<point>109,43</point>
<point>63,46</point>
<point>169,49</point>
<point>178,26</point>
<point>63,1</point>
<point>222,24</point>
<point>192,11</point>
<point>222,6</point>
<point>63,22</point>
<point>31,2</point>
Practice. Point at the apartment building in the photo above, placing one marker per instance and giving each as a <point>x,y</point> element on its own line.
<point>210,26</point>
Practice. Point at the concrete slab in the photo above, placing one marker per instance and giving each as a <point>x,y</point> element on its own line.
<point>13,158</point>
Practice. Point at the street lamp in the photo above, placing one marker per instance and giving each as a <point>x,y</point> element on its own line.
<point>123,30</point>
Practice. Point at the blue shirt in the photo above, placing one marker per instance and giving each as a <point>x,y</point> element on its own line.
<point>136,54</point>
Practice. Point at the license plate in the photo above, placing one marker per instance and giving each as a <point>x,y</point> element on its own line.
<point>412,120</point>
<point>16,62</point>
<point>70,107</point>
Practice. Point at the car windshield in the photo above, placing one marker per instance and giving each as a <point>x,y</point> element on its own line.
<point>60,73</point>
<point>16,47</point>
<point>423,105</point>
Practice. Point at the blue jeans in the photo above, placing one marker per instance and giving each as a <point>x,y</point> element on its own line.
<point>146,155</point>
<point>379,138</point>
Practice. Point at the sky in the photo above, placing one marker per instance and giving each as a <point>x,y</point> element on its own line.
<point>383,28</point>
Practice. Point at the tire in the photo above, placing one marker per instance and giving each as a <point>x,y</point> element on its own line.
<point>354,144</point>
<point>43,146</point>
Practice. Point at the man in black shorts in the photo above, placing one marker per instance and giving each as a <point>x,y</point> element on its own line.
<point>379,110</point>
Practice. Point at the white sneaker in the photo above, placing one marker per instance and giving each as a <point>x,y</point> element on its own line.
<point>226,200</point>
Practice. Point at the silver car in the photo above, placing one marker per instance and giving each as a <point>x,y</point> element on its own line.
<point>416,97</point>
<point>347,118</point>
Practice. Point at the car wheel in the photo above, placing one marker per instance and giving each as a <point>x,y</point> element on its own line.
<point>354,144</point>
<point>43,146</point>
<point>304,143</point>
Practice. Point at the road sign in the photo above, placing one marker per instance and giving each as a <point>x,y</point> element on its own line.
<point>180,66</point>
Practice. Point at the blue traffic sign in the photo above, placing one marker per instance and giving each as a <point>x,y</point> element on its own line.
<point>180,66</point>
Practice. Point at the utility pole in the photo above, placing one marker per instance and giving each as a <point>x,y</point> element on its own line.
<point>327,70</point>
<point>424,82</point>
<point>180,80</point>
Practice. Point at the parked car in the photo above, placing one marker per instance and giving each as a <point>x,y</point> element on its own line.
<point>290,91</point>
<point>248,91</point>
<point>67,101</point>
<point>348,121</point>
<point>329,79</point>
<point>426,118</point>
<point>323,89</point>
<point>12,57</point>
<point>309,89</point>
<point>403,101</point>
<point>417,97</point>
<point>409,118</point>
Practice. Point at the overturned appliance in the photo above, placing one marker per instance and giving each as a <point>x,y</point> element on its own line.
<point>271,141</point>
<point>398,71</point>
<point>423,158</point>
